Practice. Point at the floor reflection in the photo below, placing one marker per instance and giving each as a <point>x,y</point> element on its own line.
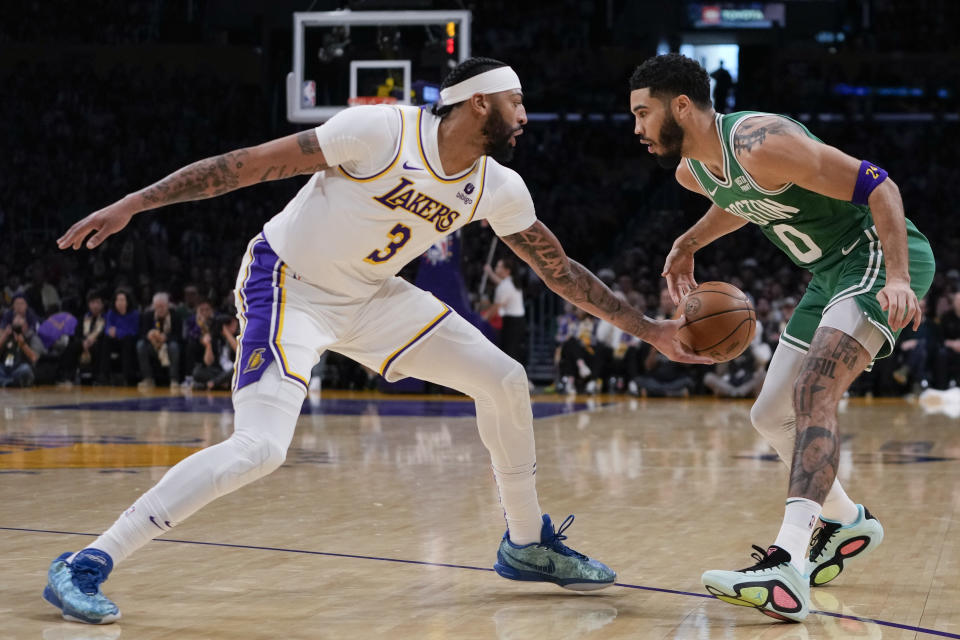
<point>75,631</point>
<point>569,620</point>
<point>836,627</point>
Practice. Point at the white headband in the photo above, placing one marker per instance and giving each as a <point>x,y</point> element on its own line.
<point>499,79</point>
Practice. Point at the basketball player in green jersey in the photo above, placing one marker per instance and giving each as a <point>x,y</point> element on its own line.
<point>838,217</point>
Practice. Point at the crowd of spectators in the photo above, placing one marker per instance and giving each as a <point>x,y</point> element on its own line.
<point>187,345</point>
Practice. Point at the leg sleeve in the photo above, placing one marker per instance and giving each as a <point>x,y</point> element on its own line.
<point>457,355</point>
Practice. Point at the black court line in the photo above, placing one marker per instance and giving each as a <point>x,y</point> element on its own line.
<point>895,625</point>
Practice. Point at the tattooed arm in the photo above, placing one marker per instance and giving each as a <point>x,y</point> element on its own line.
<point>292,155</point>
<point>539,248</point>
<point>678,267</point>
<point>776,151</point>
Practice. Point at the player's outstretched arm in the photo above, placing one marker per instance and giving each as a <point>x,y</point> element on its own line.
<point>285,157</point>
<point>678,267</point>
<point>538,247</point>
<point>776,152</point>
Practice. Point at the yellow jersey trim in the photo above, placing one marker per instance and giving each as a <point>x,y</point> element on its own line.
<point>409,343</point>
<point>276,339</point>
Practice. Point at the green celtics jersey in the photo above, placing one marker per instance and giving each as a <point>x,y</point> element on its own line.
<point>816,231</point>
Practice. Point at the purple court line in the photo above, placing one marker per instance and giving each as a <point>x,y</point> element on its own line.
<point>896,625</point>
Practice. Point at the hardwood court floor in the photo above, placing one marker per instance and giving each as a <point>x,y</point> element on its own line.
<point>384,522</point>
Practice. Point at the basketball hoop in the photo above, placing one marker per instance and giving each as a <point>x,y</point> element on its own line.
<point>358,100</point>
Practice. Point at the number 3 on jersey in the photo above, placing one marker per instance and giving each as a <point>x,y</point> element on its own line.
<point>399,236</point>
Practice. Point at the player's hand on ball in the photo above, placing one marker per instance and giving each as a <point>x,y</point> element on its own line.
<point>664,339</point>
<point>678,270</point>
<point>105,223</point>
<point>901,305</point>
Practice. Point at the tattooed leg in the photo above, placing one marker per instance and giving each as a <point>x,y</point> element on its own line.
<point>834,360</point>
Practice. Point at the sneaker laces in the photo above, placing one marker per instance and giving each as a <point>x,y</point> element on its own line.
<point>555,543</point>
<point>821,537</point>
<point>765,560</point>
<point>87,579</point>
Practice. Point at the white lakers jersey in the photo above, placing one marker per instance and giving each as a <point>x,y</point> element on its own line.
<point>348,233</point>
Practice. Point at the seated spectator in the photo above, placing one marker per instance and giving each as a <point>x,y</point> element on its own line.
<point>20,348</point>
<point>743,376</point>
<point>948,354</point>
<point>191,297</point>
<point>566,328</point>
<point>19,307</point>
<point>41,294</point>
<point>576,363</point>
<point>914,354</point>
<point>215,370</point>
<point>764,316</point>
<point>55,332</point>
<point>198,325</point>
<point>121,328</point>
<point>82,359</point>
<point>159,346</point>
<point>617,354</point>
<point>661,376</point>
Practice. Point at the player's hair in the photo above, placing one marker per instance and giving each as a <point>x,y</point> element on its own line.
<point>94,294</point>
<point>466,69</point>
<point>671,75</point>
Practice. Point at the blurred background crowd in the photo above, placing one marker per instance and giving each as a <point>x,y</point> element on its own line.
<point>105,100</point>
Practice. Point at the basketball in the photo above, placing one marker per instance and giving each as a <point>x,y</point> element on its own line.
<point>719,321</point>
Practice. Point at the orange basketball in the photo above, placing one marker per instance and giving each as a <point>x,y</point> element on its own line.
<point>719,321</point>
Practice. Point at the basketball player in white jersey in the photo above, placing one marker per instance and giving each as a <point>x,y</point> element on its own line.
<point>387,183</point>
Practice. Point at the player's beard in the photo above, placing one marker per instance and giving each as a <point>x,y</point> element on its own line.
<point>497,132</point>
<point>671,141</point>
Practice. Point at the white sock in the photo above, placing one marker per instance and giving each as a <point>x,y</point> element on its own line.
<point>838,506</point>
<point>518,496</point>
<point>799,518</point>
<point>134,528</point>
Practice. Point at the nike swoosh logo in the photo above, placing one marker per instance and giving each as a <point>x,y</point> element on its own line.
<point>547,568</point>
<point>847,250</point>
<point>409,168</point>
<point>714,190</point>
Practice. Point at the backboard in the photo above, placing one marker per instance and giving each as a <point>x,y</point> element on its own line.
<point>364,57</point>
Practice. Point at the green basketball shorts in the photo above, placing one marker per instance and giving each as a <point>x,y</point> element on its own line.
<point>860,275</point>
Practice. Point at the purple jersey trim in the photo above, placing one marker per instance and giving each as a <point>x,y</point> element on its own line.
<point>262,300</point>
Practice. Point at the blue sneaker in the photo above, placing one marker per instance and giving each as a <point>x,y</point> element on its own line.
<point>552,561</point>
<point>74,588</point>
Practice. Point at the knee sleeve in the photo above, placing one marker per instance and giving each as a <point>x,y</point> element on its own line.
<point>777,424</point>
<point>504,415</point>
<point>508,392</point>
<point>772,414</point>
<point>247,456</point>
<point>266,417</point>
